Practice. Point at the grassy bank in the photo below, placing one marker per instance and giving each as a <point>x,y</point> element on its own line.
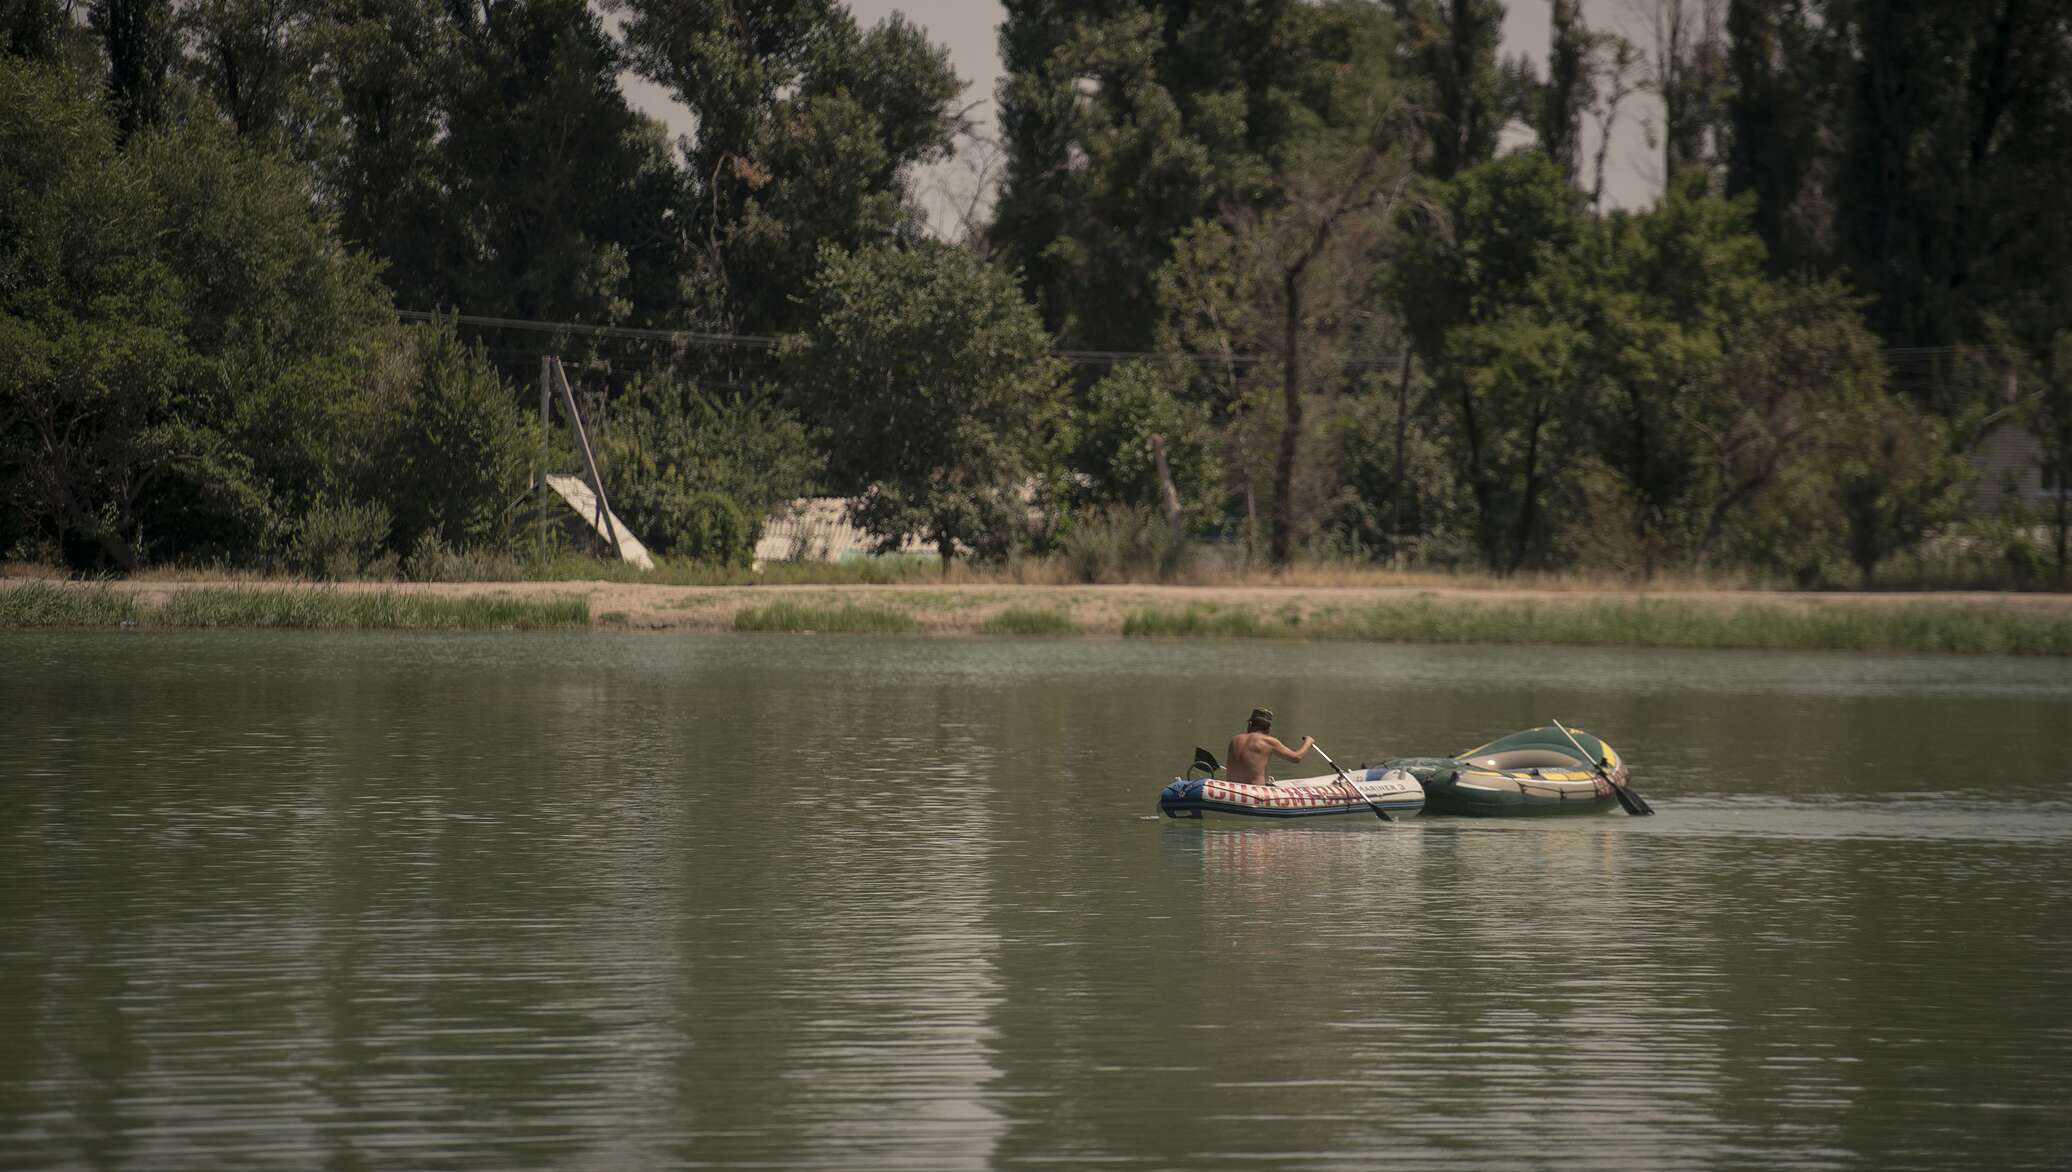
<point>42,605</point>
<point>806,617</point>
<point>1974,624</point>
<point>1888,628</point>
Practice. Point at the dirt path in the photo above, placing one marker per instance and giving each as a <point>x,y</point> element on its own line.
<point>1098,610</point>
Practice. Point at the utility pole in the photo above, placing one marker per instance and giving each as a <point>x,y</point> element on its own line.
<point>1396,496</point>
<point>539,479</point>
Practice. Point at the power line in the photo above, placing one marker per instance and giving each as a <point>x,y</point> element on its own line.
<point>1894,355</point>
<point>687,337</point>
<point>770,342</point>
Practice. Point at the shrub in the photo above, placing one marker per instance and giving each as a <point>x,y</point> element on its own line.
<point>714,530</point>
<point>455,450</point>
<point>1121,545</point>
<point>344,540</point>
<point>1022,620</point>
<point>804,617</point>
<point>694,474</point>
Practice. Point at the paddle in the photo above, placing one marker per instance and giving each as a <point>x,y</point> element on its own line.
<point>1378,811</point>
<point>1205,761</point>
<point>1633,802</point>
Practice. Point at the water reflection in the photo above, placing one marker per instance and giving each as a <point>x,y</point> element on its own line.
<point>372,901</point>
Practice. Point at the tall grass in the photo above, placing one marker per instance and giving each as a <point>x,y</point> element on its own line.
<point>1888,628</point>
<point>1123,545</point>
<point>39,605</point>
<point>380,610</point>
<point>1023,620</point>
<point>848,618</point>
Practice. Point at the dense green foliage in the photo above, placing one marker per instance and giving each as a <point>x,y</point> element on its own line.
<point>695,472</point>
<point>928,379</point>
<point>848,618</point>
<point>200,369</point>
<point>1919,629</point>
<point>38,604</point>
<point>1357,322</point>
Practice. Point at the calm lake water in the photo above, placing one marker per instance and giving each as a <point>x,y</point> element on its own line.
<point>367,901</point>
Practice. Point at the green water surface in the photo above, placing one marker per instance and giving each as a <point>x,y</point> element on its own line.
<point>279,900</point>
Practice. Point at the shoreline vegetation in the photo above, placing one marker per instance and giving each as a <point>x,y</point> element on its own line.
<point>45,605</point>
<point>1369,607</point>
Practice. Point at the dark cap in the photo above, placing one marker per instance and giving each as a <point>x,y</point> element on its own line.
<point>1262,716</point>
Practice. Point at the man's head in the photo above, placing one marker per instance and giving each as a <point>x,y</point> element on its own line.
<point>1261,721</point>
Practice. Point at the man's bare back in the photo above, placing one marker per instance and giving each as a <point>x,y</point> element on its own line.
<point>1250,750</point>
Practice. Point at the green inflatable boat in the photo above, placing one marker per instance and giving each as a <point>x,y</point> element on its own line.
<point>1538,771</point>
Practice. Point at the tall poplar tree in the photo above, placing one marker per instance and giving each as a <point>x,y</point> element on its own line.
<point>1126,122</point>
<point>808,130</point>
<point>1450,47</point>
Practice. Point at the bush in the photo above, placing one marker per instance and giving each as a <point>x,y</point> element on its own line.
<point>694,474</point>
<point>1022,620</point>
<point>807,618</point>
<point>712,529</point>
<point>1122,545</point>
<point>1112,443</point>
<point>432,560</point>
<point>454,450</point>
<point>345,540</point>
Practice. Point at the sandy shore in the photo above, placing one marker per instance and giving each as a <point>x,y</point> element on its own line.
<point>956,608</point>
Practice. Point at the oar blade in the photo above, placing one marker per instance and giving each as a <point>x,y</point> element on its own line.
<point>1629,801</point>
<point>1633,802</point>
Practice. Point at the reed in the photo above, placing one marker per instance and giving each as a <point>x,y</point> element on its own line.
<point>377,610</point>
<point>42,604</point>
<point>1022,620</point>
<point>799,617</point>
<point>1200,621</point>
<point>1917,628</point>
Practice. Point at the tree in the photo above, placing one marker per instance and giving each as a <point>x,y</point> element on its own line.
<point>90,325</point>
<point>1113,448</point>
<point>929,383</point>
<point>454,453</point>
<point>1798,368</point>
<point>487,154</point>
<point>263,61</point>
<point>2046,411</point>
<point>387,181</point>
<point>174,305</point>
<point>1671,283</point>
<point>1954,150</point>
<point>142,46</point>
<point>1487,285</point>
<point>32,28</point>
<point>1340,205</point>
<point>1782,97</point>
<point>808,129</point>
<point>1690,76</point>
<point>1125,123</point>
<point>1452,49</point>
<point>1896,479</point>
<point>674,446</point>
<point>1558,118</point>
<point>1615,65</point>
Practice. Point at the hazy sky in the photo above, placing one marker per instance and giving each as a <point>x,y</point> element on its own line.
<point>970,28</point>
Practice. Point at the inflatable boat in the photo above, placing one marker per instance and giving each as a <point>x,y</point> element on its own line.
<point>1356,795</point>
<point>1547,770</point>
<point>1538,771</point>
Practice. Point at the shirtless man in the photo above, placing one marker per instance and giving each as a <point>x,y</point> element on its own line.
<point>1251,749</point>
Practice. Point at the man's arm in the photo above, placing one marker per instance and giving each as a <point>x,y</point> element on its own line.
<point>1293,754</point>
